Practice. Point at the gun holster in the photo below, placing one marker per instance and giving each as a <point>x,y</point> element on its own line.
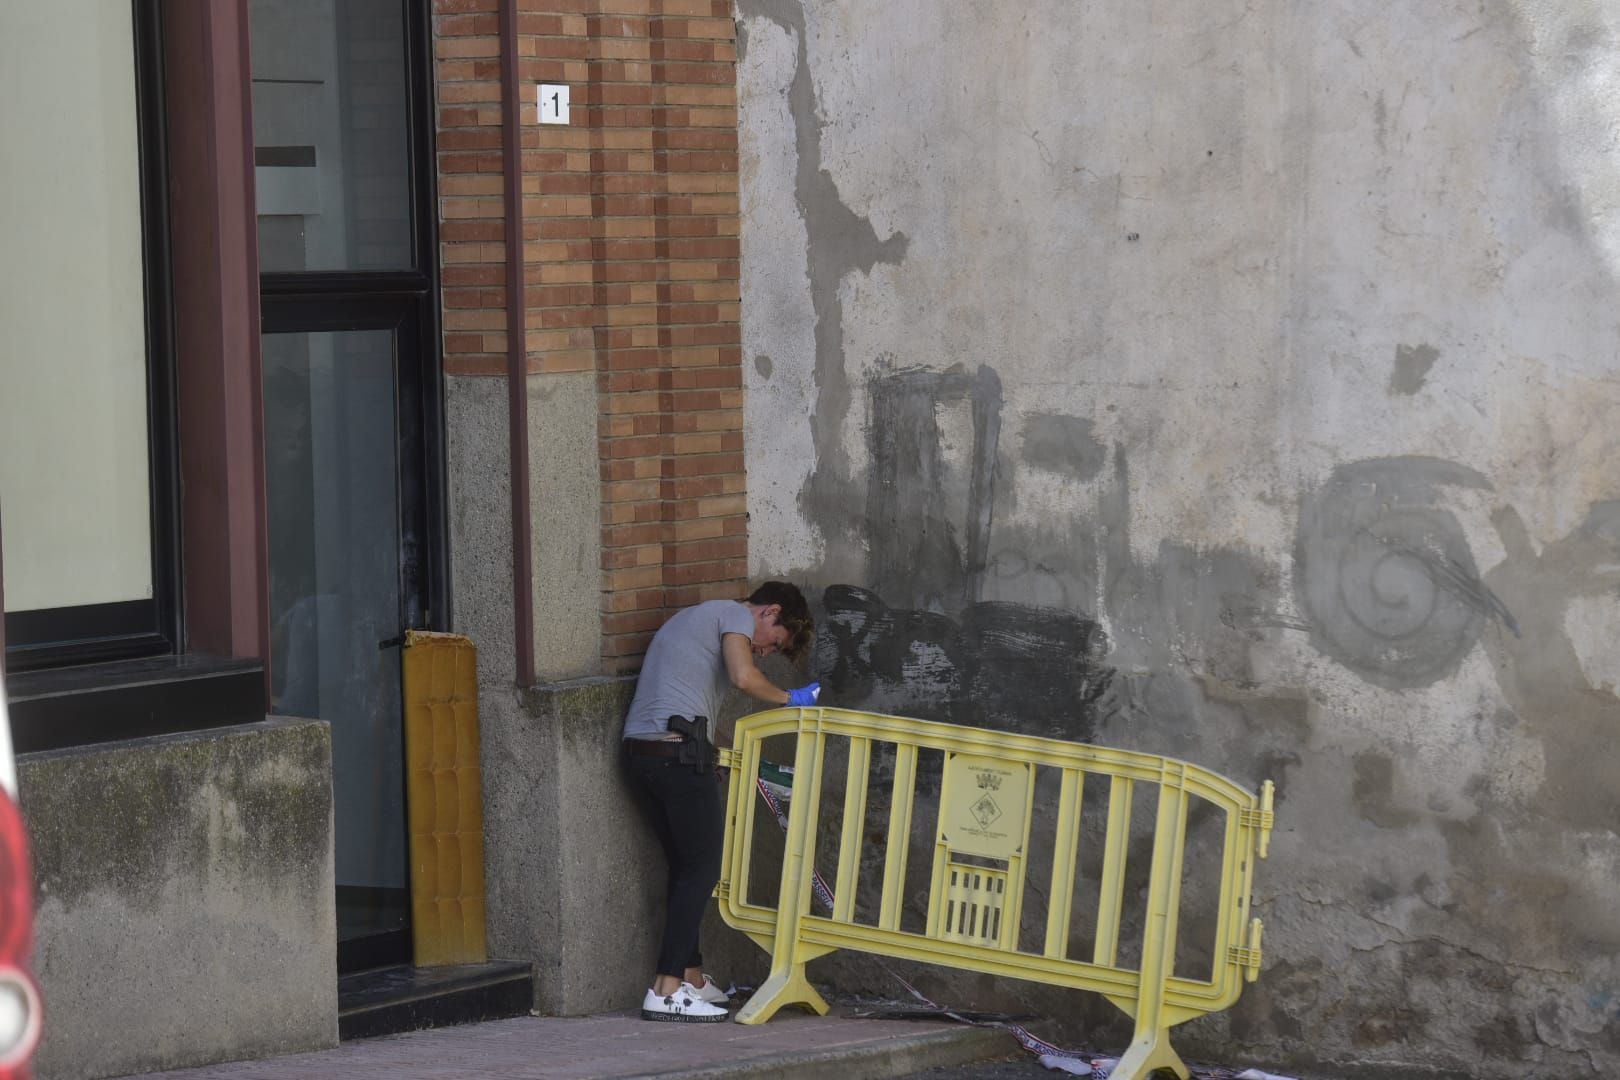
<point>696,749</point>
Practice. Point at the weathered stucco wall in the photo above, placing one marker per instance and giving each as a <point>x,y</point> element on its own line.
<point>1235,380</point>
<point>185,898</point>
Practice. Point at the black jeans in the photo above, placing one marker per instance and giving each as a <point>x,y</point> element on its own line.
<point>688,812</point>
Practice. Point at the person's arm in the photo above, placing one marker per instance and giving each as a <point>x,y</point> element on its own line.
<point>738,652</point>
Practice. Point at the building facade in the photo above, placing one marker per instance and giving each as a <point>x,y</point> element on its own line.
<point>1222,380</point>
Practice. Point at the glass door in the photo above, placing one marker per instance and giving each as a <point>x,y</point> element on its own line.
<point>353,417</point>
<point>342,593</point>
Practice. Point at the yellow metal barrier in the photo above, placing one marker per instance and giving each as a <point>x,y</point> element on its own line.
<point>981,848</point>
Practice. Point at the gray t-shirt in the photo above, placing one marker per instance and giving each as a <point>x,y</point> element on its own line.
<point>685,672</point>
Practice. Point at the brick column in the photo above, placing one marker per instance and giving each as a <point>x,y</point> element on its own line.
<point>472,215</point>
<point>630,227</point>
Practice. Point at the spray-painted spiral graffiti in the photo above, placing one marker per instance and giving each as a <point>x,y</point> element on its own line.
<point>1385,573</point>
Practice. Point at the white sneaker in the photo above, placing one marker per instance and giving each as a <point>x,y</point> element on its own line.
<point>710,992</point>
<point>684,1006</point>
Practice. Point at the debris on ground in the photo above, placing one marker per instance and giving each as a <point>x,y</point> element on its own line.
<point>1102,1066</point>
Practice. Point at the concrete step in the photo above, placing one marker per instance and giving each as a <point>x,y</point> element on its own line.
<point>387,1001</point>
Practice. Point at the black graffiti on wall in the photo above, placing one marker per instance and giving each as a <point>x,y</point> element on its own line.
<point>929,496</point>
<point>1011,667</point>
<point>1385,573</point>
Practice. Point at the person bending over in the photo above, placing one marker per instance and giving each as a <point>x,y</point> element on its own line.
<point>694,659</point>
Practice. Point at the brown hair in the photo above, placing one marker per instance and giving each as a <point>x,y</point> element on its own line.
<point>794,614</point>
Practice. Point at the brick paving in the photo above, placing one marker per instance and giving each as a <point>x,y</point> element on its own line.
<point>622,1045</point>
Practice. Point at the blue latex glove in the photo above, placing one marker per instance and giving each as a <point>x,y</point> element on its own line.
<point>804,696</point>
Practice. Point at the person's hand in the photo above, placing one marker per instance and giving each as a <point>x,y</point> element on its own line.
<point>804,696</point>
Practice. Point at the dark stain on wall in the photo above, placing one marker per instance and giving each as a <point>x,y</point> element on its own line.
<point>1540,672</point>
<point>1063,444</point>
<point>1004,666</point>
<point>1385,573</point>
<point>839,242</point>
<point>1372,789</point>
<point>1412,364</point>
<point>928,527</point>
<point>1533,856</point>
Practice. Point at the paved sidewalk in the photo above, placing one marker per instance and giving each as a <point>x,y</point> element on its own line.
<point>791,1046</point>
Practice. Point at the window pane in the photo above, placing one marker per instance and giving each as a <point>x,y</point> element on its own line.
<point>74,479</point>
<point>330,134</point>
<point>330,482</point>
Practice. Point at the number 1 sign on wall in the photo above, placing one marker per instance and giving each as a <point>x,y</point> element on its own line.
<point>553,104</point>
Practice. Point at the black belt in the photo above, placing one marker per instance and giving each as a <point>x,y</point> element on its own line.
<point>654,747</point>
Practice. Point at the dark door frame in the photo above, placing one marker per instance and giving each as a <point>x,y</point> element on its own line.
<point>406,302</point>
<point>360,300</point>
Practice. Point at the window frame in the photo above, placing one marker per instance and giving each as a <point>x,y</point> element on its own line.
<point>340,300</point>
<point>95,633</point>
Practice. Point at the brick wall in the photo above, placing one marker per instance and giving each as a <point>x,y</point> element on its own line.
<point>630,228</point>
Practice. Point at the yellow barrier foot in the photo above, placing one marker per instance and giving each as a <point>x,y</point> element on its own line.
<point>779,990</point>
<point>1147,1055</point>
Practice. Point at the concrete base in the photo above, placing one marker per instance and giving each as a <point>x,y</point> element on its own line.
<point>574,877</point>
<point>567,859</point>
<point>186,900</point>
